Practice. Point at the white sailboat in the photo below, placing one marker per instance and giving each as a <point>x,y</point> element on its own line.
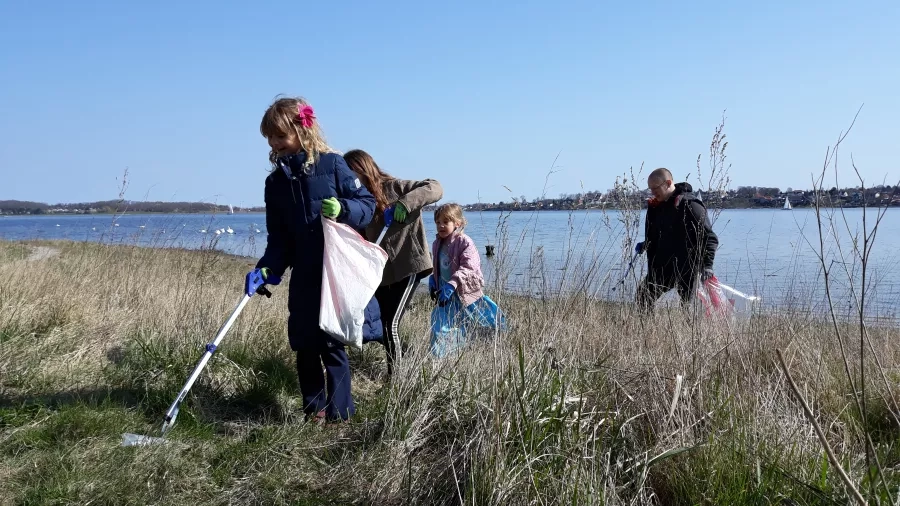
<point>787,204</point>
<point>230,209</point>
<point>699,195</point>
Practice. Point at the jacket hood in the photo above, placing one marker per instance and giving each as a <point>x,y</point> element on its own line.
<point>683,188</point>
<point>682,191</point>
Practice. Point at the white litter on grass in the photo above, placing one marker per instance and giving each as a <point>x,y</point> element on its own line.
<point>139,440</point>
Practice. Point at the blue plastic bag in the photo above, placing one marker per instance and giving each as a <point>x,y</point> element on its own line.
<point>452,326</point>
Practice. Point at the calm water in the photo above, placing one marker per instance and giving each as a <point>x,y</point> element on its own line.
<point>770,253</point>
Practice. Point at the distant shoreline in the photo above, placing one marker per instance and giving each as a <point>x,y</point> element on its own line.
<point>426,210</point>
<point>742,198</point>
<point>161,213</point>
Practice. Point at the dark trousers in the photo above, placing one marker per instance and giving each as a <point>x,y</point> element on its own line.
<point>329,391</point>
<point>394,299</point>
<point>656,283</point>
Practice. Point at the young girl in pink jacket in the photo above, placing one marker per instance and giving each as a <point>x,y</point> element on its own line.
<point>457,284</point>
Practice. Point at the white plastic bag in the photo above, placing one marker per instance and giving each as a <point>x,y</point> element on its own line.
<point>351,272</point>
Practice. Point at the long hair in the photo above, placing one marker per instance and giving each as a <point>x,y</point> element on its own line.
<point>281,118</point>
<point>373,178</point>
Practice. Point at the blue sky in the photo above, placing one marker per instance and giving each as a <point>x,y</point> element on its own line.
<point>474,94</point>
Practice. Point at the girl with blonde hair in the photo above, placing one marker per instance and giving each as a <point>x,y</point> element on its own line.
<point>308,180</point>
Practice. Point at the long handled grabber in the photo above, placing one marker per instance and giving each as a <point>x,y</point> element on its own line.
<point>627,271</point>
<point>638,251</point>
<point>169,420</point>
<point>388,219</point>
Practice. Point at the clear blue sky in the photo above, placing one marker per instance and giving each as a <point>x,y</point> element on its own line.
<point>475,95</point>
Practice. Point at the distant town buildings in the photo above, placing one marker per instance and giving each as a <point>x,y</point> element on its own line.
<point>743,197</point>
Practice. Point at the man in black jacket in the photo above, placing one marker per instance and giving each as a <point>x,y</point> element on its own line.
<point>678,239</point>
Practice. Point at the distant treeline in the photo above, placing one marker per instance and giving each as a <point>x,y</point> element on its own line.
<point>117,206</point>
<point>744,197</point>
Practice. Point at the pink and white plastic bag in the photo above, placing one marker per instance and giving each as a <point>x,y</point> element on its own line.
<point>724,301</point>
<point>351,272</point>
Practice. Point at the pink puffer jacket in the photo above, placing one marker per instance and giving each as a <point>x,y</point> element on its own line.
<point>465,262</point>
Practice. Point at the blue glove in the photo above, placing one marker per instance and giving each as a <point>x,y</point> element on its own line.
<point>432,288</point>
<point>388,216</point>
<point>257,279</point>
<point>445,294</point>
<point>639,248</point>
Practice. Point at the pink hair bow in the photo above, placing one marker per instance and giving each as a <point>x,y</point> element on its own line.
<point>305,115</point>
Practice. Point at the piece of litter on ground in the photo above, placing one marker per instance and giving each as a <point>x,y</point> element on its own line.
<point>139,440</point>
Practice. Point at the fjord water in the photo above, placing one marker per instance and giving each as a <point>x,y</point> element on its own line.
<point>769,253</point>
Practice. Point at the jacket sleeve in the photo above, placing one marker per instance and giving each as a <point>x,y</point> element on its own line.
<point>467,276</point>
<point>357,204</point>
<point>276,256</point>
<point>701,233</point>
<point>649,246</point>
<point>414,195</point>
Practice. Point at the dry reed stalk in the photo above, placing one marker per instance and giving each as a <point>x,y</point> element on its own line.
<point>822,439</point>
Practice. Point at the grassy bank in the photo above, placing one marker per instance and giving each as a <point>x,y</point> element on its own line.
<point>580,403</point>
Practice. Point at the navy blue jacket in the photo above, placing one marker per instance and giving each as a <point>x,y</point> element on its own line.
<point>296,239</point>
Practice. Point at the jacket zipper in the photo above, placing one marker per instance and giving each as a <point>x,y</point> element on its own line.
<point>302,202</point>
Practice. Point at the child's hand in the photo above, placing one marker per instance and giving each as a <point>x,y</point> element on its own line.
<point>400,212</point>
<point>331,208</point>
<point>445,294</point>
<point>257,279</point>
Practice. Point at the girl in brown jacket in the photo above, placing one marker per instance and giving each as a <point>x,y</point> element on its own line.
<point>407,245</point>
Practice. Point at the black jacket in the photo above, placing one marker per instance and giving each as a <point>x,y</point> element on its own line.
<point>678,238</point>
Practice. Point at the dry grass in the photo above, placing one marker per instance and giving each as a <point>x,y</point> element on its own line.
<point>581,402</point>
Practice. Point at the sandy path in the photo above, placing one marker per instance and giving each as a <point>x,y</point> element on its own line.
<point>41,253</point>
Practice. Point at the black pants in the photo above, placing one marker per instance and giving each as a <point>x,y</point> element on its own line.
<point>655,284</point>
<point>393,300</point>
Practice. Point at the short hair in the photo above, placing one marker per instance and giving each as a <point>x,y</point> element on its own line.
<point>661,173</point>
<point>452,212</point>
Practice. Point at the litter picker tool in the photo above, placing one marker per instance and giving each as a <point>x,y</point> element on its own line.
<point>129,439</point>
<point>627,271</point>
<point>388,219</point>
<point>172,413</point>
